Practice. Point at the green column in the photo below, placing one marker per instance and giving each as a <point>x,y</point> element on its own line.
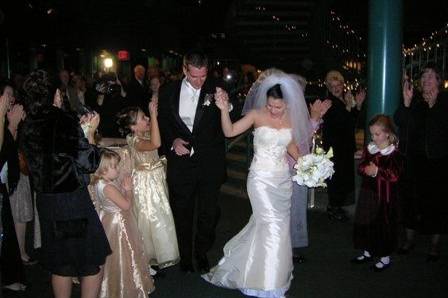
<point>384,56</point>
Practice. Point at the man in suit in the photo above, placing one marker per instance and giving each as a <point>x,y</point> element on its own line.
<point>190,125</point>
<point>138,91</point>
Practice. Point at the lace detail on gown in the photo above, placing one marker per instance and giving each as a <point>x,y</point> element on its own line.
<point>270,148</point>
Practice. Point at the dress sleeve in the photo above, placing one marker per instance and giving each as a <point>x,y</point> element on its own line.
<point>365,160</point>
<point>390,169</point>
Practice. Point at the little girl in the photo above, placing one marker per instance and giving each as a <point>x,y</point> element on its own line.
<point>375,228</point>
<point>152,210</point>
<point>126,271</point>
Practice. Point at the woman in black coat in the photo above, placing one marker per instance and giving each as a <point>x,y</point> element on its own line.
<point>422,120</point>
<point>338,132</point>
<point>60,159</point>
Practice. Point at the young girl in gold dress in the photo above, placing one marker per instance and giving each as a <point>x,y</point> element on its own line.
<point>126,271</point>
<point>152,210</point>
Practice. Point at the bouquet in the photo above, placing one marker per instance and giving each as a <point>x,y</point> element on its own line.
<point>313,169</point>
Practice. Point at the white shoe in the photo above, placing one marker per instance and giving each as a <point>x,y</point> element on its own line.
<point>15,287</point>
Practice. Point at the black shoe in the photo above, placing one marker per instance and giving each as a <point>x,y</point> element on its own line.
<point>202,263</point>
<point>381,269</point>
<point>186,267</point>
<point>361,259</point>
<point>337,213</point>
<point>298,259</point>
<point>405,249</point>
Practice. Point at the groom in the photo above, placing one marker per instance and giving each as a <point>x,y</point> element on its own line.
<point>190,126</point>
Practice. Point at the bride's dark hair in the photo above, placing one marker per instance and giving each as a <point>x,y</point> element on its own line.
<point>126,118</point>
<point>275,91</point>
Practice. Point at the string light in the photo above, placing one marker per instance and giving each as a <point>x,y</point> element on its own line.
<point>275,18</point>
<point>427,44</point>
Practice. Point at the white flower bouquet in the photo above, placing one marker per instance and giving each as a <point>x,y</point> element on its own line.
<point>313,169</point>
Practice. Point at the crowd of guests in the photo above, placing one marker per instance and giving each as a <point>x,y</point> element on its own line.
<point>115,229</point>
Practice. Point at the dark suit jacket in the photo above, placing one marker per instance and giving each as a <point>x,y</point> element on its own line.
<point>207,137</point>
<point>138,95</point>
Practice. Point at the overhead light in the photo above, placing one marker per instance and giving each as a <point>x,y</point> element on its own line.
<point>108,62</point>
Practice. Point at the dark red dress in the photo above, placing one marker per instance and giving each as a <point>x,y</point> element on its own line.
<point>376,217</point>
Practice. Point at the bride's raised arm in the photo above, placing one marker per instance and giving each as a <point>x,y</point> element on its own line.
<point>233,129</point>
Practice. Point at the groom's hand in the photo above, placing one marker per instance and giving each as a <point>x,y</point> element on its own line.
<point>179,147</point>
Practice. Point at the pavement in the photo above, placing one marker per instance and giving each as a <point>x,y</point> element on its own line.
<point>326,272</point>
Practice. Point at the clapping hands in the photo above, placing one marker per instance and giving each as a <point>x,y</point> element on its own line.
<point>371,169</point>
<point>5,103</point>
<point>318,108</point>
<point>360,97</point>
<point>408,93</point>
<point>91,119</point>
<point>15,115</point>
<point>152,107</point>
<point>126,183</point>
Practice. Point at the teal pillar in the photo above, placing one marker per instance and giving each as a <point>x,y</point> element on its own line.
<point>384,57</point>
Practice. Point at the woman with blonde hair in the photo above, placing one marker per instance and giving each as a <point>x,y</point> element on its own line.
<point>338,132</point>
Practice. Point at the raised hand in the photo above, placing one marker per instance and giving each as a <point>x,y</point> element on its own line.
<point>94,120</point>
<point>349,99</point>
<point>360,98</point>
<point>318,108</point>
<point>221,99</point>
<point>5,103</point>
<point>152,107</point>
<point>57,100</point>
<point>408,93</point>
<point>15,115</point>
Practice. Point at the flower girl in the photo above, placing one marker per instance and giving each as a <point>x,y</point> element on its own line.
<point>126,271</point>
<point>376,227</point>
<point>152,210</point>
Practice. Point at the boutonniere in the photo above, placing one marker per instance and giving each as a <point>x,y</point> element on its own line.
<point>208,98</point>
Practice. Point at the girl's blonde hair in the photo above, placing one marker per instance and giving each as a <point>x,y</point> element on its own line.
<point>109,159</point>
<point>387,125</point>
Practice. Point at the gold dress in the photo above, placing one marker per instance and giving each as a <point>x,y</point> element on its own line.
<point>126,271</point>
<point>151,207</point>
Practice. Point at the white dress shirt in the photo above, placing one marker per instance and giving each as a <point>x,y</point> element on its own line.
<point>188,102</point>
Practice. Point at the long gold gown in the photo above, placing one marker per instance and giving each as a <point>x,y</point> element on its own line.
<point>151,207</point>
<point>126,271</point>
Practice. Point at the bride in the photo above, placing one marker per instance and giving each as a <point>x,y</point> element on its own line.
<point>258,260</point>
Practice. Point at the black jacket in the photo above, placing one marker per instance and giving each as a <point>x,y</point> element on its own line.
<point>59,156</point>
<point>206,138</point>
<point>424,131</point>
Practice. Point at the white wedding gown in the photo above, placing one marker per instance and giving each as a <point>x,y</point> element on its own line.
<point>258,260</point>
